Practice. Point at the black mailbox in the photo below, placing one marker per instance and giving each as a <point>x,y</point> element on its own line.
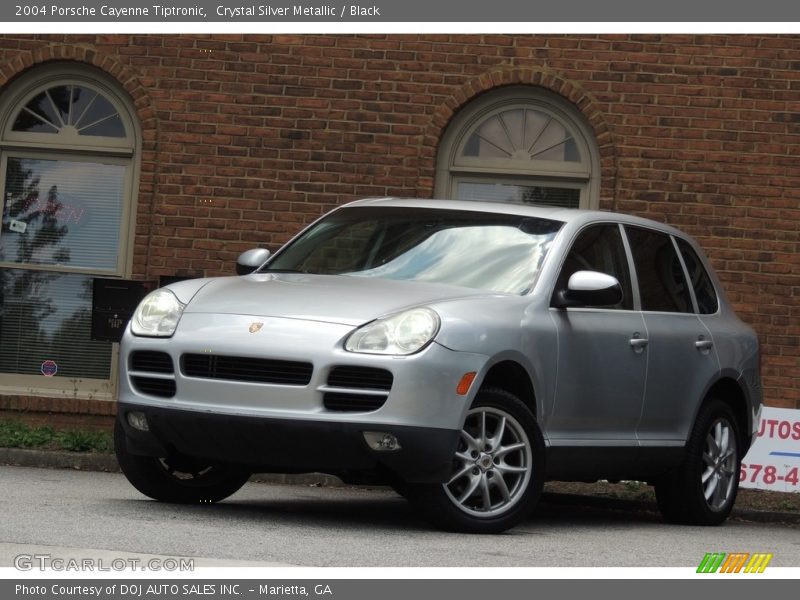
<point>113,303</point>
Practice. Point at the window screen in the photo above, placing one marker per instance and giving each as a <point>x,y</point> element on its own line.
<point>60,212</point>
<point>564,197</point>
<point>45,319</point>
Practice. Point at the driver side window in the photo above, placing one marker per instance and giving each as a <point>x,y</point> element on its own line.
<point>599,248</point>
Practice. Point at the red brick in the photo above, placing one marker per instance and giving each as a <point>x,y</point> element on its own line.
<point>701,131</point>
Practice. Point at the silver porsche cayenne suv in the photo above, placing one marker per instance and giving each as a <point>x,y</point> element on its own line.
<point>461,352</point>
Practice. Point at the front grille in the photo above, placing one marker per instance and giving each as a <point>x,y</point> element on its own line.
<point>151,362</point>
<point>351,402</point>
<point>362,378</point>
<point>240,368</point>
<point>351,379</point>
<point>164,388</point>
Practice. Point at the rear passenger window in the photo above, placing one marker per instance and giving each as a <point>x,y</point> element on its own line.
<point>599,248</point>
<point>662,285</point>
<point>704,292</point>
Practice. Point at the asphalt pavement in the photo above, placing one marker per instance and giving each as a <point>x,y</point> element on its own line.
<point>93,461</point>
<point>86,513</point>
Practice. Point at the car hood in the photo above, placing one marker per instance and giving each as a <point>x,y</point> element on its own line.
<point>328,298</point>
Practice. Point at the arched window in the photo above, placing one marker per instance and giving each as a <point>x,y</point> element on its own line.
<point>68,150</point>
<point>520,144</point>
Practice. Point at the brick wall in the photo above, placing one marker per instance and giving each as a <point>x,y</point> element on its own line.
<point>248,138</point>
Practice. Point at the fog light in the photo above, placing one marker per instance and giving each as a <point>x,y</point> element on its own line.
<point>138,420</point>
<point>381,441</point>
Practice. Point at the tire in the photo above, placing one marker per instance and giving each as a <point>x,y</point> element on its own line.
<point>177,479</point>
<point>498,469</point>
<point>702,490</point>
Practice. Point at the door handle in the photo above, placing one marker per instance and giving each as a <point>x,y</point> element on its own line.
<point>704,345</point>
<point>638,344</point>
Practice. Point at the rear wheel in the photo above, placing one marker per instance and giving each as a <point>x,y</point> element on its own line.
<point>498,469</point>
<point>702,490</point>
<point>178,479</point>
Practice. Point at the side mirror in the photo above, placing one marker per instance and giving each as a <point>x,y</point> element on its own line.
<point>250,260</point>
<point>589,289</point>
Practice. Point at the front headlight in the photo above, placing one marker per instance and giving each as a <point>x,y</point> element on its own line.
<point>157,315</point>
<point>400,334</point>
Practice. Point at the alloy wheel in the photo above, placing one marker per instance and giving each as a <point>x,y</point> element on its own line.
<point>492,465</point>
<point>719,464</point>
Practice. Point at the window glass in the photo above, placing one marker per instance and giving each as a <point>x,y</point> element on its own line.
<point>522,144</point>
<point>66,167</point>
<point>61,212</point>
<point>599,248</point>
<point>70,109</point>
<point>45,317</point>
<point>339,248</point>
<point>522,134</point>
<point>662,285</point>
<point>487,251</point>
<point>704,292</point>
<point>37,116</point>
<point>524,194</point>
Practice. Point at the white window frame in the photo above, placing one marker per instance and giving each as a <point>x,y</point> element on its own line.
<point>124,151</point>
<point>120,269</point>
<point>452,168</point>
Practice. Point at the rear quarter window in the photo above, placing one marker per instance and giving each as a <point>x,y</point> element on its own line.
<point>707,301</point>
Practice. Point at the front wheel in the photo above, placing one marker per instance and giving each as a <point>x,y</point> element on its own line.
<point>177,479</point>
<point>498,469</point>
<point>702,490</point>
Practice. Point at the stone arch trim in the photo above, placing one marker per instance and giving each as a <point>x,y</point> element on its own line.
<point>124,75</point>
<point>501,77</point>
<point>129,80</point>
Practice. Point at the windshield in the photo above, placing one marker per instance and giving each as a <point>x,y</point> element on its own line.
<point>486,251</point>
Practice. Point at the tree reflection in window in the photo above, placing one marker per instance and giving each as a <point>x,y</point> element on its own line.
<point>56,213</point>
<point>43,315</point>
<point>47,316</point>
<point>71,110</point>
<point>24,205</point>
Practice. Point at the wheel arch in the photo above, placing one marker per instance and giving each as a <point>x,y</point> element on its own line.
<point>511,376</point>
<point>728,390</point>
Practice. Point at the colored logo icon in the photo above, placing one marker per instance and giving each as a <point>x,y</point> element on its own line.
<point>737,562</point>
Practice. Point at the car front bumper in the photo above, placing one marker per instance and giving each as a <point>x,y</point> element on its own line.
<point>292,446</point>
<point>285,428</point>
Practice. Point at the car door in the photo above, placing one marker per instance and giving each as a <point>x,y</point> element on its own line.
<point>682,359</point>
<point>601,358</point>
